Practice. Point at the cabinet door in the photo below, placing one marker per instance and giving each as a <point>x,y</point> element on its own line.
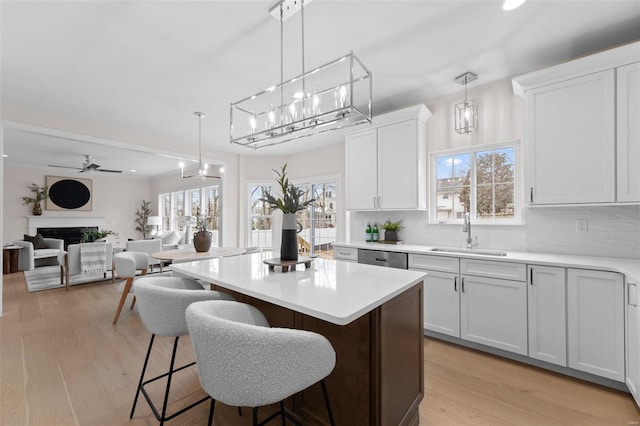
<point>628,137</point>
<point>442,303</point>
<point>571,140</point>
<point>398,165</point>
<point>595,319</point>
<point>494,312</point>
<point>547,314</point>
<point>633,341</point>
<point>361,170</point>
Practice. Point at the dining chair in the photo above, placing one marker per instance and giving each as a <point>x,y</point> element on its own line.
<point>243,362</point>
<point>162,302</point>
<point>126,264</point>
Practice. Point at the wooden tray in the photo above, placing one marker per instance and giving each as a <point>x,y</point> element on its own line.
<point>285,264</point>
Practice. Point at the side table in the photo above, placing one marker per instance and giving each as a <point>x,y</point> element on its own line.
<point>10,259</point>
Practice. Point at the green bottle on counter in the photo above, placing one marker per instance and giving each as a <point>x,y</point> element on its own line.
<point>375,234</point>
<point>369,233</point>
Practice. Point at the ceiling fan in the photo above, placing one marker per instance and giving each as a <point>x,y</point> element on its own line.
<point>88,166</point>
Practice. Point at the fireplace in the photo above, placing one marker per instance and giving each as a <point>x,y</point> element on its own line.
<point>67,228</point>
<point>71,235</point>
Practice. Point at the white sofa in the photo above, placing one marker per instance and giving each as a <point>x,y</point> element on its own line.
<point>73,265</point>
<point>27,256</point>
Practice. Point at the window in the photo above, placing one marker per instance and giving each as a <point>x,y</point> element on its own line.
<point>318,221</point>
<point>482,181</point>
<point>177,207</point>
<point>260,218</point>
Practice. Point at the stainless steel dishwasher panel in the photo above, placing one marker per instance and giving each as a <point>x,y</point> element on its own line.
<point>389,259</point>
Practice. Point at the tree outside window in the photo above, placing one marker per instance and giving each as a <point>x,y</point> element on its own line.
<point>480,182</point>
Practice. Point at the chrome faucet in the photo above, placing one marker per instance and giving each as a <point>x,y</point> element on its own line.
<point>466,227</point>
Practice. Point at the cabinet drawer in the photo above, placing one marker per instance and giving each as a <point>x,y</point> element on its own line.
<point>434,263</point>
<point>345,253</point>
<point>488,268</point>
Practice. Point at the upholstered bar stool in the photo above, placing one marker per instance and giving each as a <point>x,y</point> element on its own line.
<point>162,302</point>
<point>126,264</point>
<point>244,362</point>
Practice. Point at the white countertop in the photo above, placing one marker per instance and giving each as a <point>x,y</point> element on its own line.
<point>334,291</point>
<point>626,266</point>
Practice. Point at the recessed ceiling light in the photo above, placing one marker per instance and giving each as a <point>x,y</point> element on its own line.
<point>4,155</point>
<point>133,170</point>
<point>512,4</point>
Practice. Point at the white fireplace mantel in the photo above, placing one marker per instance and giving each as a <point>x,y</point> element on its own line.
<point>35,222</point>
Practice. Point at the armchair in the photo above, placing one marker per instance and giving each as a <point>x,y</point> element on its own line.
<point>28,255</point>
<point>72,265</point>
<point>147,246</point>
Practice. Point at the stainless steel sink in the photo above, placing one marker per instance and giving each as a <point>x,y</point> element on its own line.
<point>470,251</point>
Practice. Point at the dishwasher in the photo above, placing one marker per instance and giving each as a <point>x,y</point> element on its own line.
<point>389,259</point>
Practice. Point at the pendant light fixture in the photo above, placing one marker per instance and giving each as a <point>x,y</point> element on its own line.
<point>330,97</point>
<point>203,169</point>
<point>466,113</point>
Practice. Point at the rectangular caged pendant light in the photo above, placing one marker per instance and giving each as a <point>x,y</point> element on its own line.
<point>329,97</point>
<point>466,113</point>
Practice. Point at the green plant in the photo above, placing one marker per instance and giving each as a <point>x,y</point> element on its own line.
<point>90,236</point>
<point>39,193</point>
<point>291,200</point>
<point>391,226</point>
<point>142,214</point>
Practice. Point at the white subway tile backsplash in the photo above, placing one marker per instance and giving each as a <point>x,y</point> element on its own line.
<point>611,231</point>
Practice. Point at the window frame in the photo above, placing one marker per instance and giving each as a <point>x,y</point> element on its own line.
<point>473,150</point>
<point>174,223</point>
<point>249,214</point>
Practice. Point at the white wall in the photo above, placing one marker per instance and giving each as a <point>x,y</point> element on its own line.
<point>110,201</point>
<point>612,230</point>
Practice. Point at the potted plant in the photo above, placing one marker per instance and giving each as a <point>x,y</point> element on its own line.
<point>289,203</point>
<point>96,235</point>
<point>142,216</point>
<point>391,230</point>
<point>202,237</point>
<point>40,193</point>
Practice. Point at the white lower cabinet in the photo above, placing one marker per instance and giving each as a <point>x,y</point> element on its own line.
<point>494,312</point>
<point>633,341</point>
<point>595,322</point>
<point>442,303</point>
<point>546,298</point>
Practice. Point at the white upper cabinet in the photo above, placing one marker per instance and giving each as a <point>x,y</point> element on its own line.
<point>581,138</point>
<point>571,141</point>
<point>628,97</point>
<point>386,162</point>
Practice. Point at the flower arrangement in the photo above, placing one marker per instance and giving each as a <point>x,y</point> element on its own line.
<point>291,200</point>
<point>202,223</point>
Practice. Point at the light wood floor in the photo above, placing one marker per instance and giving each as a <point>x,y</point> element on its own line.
<point>63,363</point>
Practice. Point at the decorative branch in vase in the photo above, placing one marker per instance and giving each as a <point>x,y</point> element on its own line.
<point>40,193</point>
<point>291,202</point>
<point>202,237</point>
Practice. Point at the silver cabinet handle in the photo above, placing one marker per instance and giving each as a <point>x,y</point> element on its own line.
<point>531,194</point>
<point>531,276</point>
<point>455,283</point>
<point>374,202</point>
<point>462,282</point>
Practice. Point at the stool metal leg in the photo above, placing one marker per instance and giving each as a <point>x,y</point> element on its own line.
<point>213,406</point>
<point>166,394</point>
<point>255,416</point>
<point>326,400</point>
<point>144,368</point>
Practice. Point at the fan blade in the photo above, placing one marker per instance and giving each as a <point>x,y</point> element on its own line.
<point>109,171</point>
<point>64,167</point>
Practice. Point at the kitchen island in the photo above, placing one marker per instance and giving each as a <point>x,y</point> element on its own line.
<point>371,315</point>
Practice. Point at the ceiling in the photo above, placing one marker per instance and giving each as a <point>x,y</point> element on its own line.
<point>141,68</point>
